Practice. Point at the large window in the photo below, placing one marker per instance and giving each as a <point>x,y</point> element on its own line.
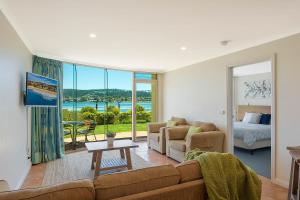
<point>105,98</point>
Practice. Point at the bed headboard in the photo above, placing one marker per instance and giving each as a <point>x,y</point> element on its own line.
<point>242,109</point>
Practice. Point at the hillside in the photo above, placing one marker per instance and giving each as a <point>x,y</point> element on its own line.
<point>100,94</point>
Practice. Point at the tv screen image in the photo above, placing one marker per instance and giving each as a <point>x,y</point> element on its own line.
<point>40,90</point>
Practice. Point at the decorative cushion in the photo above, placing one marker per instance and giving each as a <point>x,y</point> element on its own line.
<point>265,119</point>
<point>179,121</point>
<point>193,130</point>
<point>179,145</point>
<point>252,118</point>
<point>171,123</point>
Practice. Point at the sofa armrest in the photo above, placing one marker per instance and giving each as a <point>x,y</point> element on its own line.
<point>206,141</point>
<point>155,127</point>
<point>176,133</point>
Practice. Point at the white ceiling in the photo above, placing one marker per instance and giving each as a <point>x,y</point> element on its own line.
<point>252,69</point>
<point>147,35</point>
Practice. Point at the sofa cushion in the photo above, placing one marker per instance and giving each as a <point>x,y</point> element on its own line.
<point>179,121</point>
<point>178,145</point>
<point>205,126</point>
<point>154,137</point>
<point>189,171</point>
<point>136,181</point>
<point>76,190</point>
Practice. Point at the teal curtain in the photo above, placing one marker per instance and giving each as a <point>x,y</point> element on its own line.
<point>46,129</point>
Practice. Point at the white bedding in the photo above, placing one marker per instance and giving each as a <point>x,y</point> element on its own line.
<point>250,133</point>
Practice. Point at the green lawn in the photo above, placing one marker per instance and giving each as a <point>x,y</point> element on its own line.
<point>117,128</point>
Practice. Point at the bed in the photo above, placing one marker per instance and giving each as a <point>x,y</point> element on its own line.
<point>251,136</point>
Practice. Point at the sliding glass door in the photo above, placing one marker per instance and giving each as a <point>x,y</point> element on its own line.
<point>145,86</point>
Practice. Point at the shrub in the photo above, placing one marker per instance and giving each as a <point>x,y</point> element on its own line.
<point>88,116</point>
<point>71,115</point>
<point>124,118</point>
<point>140,121</point>
<point>139,108</point>
<point>100,118</point>
<point>143,115</point>
<point>88,109</point>
<point>105,118</point>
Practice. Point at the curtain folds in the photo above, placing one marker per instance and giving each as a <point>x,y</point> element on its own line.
<point>47,132</point>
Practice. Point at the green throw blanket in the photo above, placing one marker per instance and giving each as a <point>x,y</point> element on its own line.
<point>226,177</point>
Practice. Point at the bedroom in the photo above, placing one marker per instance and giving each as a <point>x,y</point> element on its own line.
<point>252,108</point>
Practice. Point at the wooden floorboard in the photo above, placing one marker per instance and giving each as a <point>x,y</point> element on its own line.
<point>270,191</point>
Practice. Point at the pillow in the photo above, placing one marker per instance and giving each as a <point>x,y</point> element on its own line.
<point>252,118</point>
<point>265,119</point>
<point>193,130</point>
<point>171,123</point>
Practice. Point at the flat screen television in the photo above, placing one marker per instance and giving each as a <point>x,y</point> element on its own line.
<point>40,90</point>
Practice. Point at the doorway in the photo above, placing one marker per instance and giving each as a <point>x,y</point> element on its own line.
<point>251,115</point>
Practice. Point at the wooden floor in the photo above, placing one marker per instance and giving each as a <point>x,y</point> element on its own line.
<point>270,191</point>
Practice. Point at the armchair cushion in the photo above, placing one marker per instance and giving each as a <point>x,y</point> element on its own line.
<point>206,141</point>
<point>179,121</point>
<point>205,126</point>
<point>178,145</point>
<point>155,127</point>
<point>176,133</point>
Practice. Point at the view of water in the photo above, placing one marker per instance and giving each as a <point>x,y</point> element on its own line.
<point>124,106</point>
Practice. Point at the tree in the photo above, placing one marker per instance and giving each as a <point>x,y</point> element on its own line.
<point>139,108</point>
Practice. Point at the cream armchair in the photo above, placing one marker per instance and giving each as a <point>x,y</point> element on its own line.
<point>178,143</point>
<point>156,136</point>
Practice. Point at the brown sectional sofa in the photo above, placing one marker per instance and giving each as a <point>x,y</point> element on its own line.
<point>154,183</point>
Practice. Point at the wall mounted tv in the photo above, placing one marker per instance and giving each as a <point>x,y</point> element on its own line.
<point>40,90</point>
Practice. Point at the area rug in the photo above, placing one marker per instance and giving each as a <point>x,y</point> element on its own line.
<point>77,165</point>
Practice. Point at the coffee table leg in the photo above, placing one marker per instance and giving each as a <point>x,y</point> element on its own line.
<point>128,158</point>
<point>122,153</point>
<point>98,163</point>
<point>93,160</point>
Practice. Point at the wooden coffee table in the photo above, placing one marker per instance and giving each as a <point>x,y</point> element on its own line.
<point>97,149</point>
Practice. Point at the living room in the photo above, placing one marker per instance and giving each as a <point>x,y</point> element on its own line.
<point>140,78</point>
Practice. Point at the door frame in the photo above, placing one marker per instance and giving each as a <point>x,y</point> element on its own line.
<point>230,142</point>
<point>134,101</point>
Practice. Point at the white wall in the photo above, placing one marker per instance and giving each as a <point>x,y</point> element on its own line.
<point>15,60</point>
<point>240,90</point>
<point>198,92</point>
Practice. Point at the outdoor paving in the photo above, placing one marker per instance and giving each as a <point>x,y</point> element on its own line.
<point>101,136</point>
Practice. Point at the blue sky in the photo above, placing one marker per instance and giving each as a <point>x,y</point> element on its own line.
<point>93,78</point>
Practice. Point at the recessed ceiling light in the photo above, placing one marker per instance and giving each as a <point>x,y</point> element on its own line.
<point>92,35</point>
<point>183,48</point>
